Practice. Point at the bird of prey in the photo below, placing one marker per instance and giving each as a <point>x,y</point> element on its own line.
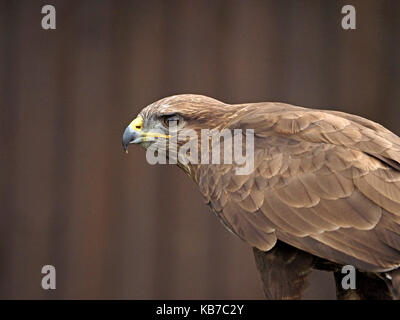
<point>324,191</point>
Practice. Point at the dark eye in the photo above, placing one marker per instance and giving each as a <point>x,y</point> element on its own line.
<point>171,120</point>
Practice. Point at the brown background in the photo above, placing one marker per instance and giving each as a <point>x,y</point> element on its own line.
<point>111,224</point>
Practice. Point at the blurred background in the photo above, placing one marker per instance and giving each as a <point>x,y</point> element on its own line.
<point>112,225</point>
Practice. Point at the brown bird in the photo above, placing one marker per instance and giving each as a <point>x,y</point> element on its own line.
<point>324,191</point>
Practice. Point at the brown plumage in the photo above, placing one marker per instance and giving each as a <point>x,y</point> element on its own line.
<point>324,182</point>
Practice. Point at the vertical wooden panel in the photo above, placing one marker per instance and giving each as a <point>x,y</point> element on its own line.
<point>9,106</point>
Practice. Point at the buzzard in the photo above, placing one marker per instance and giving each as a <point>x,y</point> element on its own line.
<point>324,190</point>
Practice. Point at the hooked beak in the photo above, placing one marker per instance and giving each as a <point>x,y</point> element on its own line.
<point>130,136</point>
<point>134,134</point>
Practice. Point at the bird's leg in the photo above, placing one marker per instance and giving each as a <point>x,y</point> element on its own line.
<point>283,270</point>
<point>344,294</point>
<point>369,286</point>
<point>394,283</point>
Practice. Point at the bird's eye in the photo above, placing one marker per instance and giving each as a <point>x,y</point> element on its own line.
<point>171,120</point>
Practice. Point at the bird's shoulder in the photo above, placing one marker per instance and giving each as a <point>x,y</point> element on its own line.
<point>289,127</point>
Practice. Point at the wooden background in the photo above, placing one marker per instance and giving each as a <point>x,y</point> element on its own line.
<point>111,224</point>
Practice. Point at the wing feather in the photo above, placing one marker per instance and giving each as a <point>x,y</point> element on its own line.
<point>327,183</point>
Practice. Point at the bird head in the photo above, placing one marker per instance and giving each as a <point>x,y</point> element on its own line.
<point>160,122</point>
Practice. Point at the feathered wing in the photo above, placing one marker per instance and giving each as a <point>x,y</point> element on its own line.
<point>325,182</point>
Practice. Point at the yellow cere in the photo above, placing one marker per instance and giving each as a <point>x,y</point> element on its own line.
<point>137,125</point>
